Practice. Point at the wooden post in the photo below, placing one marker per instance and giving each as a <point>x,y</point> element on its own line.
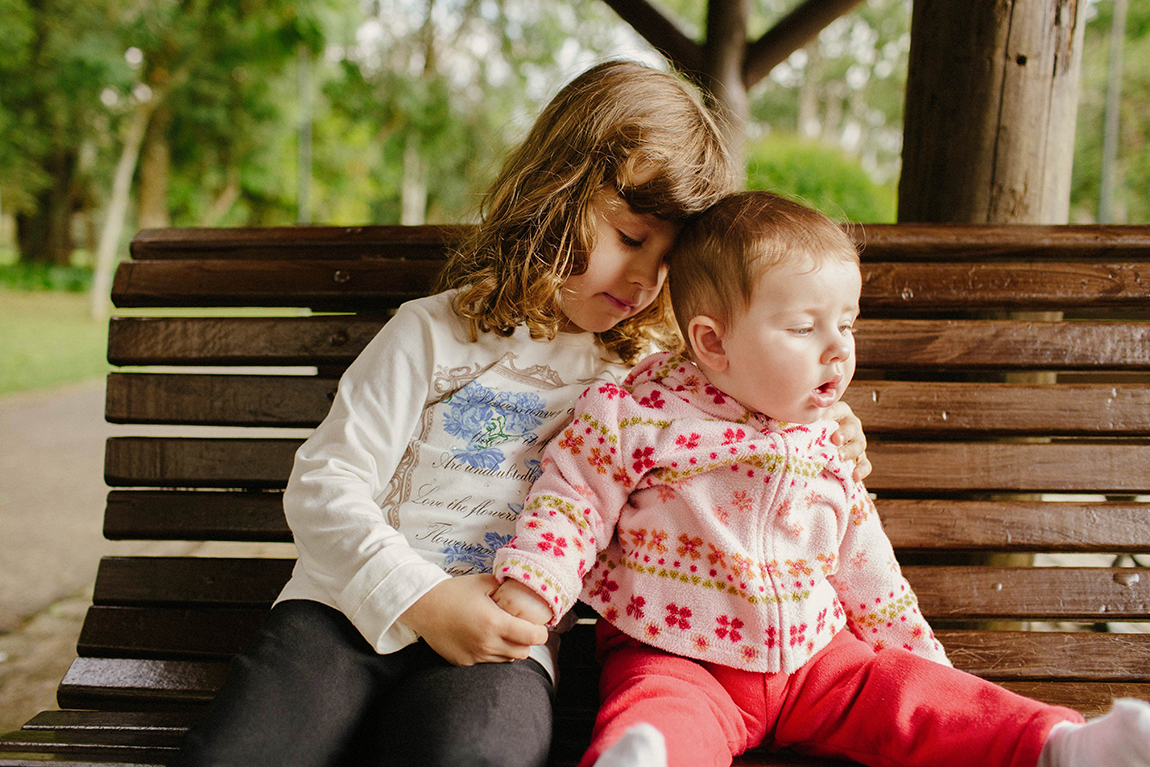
<point>992,95</point>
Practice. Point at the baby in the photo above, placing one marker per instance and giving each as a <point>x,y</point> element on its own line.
<point>747,591</point>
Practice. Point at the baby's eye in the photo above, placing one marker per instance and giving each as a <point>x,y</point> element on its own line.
<point>846,328</point>
<point>802,331</point>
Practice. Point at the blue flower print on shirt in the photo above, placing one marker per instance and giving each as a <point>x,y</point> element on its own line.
<point>486,419</point>
<point>481,558</point>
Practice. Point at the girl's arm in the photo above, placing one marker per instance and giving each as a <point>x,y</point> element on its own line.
<point>347,548</point>
<point>850,439</point>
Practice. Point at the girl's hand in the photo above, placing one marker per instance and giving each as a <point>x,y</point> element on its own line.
<point>522,602</point>
<point>850,438</point>
<point>459,620</point>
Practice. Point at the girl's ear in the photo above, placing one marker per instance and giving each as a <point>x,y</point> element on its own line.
<point>705,337</point>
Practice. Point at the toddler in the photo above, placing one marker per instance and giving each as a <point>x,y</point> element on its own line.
<point>747,592</point>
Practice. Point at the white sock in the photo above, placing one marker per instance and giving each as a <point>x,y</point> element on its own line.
<point>1120,738</point>
<point>640,746</point>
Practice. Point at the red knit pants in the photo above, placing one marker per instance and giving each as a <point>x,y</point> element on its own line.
<point>889,708</point>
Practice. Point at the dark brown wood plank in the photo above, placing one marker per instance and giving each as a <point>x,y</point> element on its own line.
<point>124,684</point>
<point>1041,655</point>
<point>327,340</point>
<point>298,242</point>
<point>218,400</point>
<point>143,721</point>
<point>904,241</point>
<point>377,282</point>
<point>1006,409</point>
<point>80,741</point>
<point>885,407</point>
<point>119,684</point>
<point>195,516</point>
<point>1023,525</point>
<point>1032,593</point>
<point>190,581</point>
<point>1002,345</point>
<point>1032,286</point>
<point>171,633</point>
<point>955,345</point>
<point>911,524</point>
<point>191,462</point>
<point>987,242</point>
<point>1063,467</point>
<point>343,285</point>
<point>922,467</point>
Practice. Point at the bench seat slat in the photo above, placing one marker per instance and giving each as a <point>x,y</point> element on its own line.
<point>954,345</point>
<point>127,683</point>
<point>160,632</point>
<point>911,524</point>
<point>886,407</point>
<point>898,466</point>
<point>1030,593</point>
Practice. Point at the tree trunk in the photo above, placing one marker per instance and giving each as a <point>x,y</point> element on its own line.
<point>992,94</point>
<point>155,172</point>
<point>105,261</point>
<point>44,236</point>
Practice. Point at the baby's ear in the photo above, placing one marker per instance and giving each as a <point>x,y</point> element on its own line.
<point>705,338</point>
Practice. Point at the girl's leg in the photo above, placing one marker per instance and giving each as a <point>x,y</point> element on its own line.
<point>700,722</point>
<point>294,697</point>
<point>496,714</point>
<point>894,708</point>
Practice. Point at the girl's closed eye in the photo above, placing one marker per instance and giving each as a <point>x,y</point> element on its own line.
<point>628,240</point>
<point>802,330</point>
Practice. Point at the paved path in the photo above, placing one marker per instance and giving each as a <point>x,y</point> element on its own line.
<point>52,496</point>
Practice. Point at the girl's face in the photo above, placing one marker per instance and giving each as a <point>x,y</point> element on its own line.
<point>625,269</point>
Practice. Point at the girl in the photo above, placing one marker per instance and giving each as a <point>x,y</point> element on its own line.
<point>386,640</point>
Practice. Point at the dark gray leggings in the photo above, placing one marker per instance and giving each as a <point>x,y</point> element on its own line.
<point>310,691</point>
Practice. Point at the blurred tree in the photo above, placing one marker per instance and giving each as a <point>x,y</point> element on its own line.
<point>1132,197</point>
<point>56,60</point>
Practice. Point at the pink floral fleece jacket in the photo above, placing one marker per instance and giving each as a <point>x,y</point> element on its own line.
<point>709,531</point>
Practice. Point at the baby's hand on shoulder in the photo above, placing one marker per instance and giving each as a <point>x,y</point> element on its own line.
<point>522,602</point>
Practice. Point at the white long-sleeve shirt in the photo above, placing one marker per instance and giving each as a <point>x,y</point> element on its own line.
<point>419,471</point>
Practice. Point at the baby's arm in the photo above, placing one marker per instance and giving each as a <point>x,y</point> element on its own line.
<point>849,438</point>
<point>522,602</point>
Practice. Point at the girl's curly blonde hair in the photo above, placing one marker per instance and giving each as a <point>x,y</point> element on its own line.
<point>616,124</point>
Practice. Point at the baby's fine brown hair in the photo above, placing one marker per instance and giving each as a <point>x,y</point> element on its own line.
<point>616,123</point>
<point>719,257</point>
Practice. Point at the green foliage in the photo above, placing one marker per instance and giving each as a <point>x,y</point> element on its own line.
<point>820,175</point>
<point>24,276</point>
<point>1132,197</point>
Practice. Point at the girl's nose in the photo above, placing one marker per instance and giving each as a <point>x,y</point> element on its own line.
<point>645,272</point>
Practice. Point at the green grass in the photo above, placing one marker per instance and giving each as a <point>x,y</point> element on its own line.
<point>47,339</point>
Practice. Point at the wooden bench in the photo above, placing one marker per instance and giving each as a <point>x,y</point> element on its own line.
<point>975,450</point>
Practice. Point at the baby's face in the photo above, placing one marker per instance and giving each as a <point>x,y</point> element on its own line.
<point>792,353</point>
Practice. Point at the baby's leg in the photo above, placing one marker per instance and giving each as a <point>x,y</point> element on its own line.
<point>894,707</point>
<point>1121,738</point>
<point>699,723</point>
